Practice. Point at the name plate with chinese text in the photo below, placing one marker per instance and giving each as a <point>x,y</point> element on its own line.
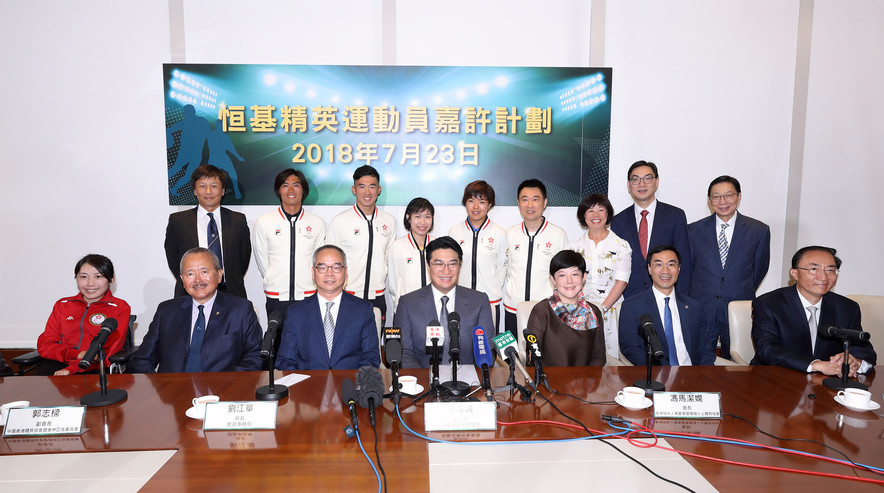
<point>61,420</point>
<point>706,405</point>
<point>460,416</point>
<point>246,415</point>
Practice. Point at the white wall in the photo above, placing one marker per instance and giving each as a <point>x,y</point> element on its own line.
<point>701,88</point>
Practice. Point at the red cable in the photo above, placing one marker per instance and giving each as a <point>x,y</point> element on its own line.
<point>634,442</point>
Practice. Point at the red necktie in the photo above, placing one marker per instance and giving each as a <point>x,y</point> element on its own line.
<point>643,234</point>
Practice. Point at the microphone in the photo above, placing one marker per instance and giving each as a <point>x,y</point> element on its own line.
<point>531,339</point>
<point>855,335</point>
<point>370,388</point>
<point>393,351</point>
<point>273,323</point>
<point>107,327</point>
<point>434,332</point>
<point>506,345</point>
<point>348,395</point>
<point>647,326</point>
<point>454,336</point>
<point>482,357</point>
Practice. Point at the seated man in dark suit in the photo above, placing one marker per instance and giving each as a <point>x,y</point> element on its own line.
<point>332,329</point>
<point>785,321</point>
<point>211,226</point>
<point>731,256</point>
<point>649,223</point>
<point>434,302</point>
<point>206,330</point>
<point>683,333</point>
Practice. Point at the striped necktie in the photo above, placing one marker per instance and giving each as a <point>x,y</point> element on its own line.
<point>722,245</point>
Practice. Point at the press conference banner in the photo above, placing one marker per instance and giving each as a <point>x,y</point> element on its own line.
<point>427,130</point>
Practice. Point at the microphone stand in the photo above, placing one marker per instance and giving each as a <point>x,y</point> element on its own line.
<point>540,374</point>
<point>455,388</point>
<point>843,383</point>
<point>434,363</point>
<point>104,396</point>
<point>647,383</point>
<point>270,392</point>
<point>513,386</point>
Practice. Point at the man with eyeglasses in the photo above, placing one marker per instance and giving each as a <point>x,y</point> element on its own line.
<point>731,256</point>
<point>649,223</point>
<point>786,321</point>
<point>435,302</point>
<point>332,329</point>
<point>678,319</point>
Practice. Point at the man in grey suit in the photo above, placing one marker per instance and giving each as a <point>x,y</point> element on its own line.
<point>731,256</point>
<point>434,302</point>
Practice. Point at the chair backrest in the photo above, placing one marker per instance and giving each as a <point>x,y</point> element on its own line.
<point>739,316</point>
<point>872,308</point>
<point>523,311</point>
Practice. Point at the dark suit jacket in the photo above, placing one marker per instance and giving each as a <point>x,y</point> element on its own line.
<point>699,339</point>
<point>417,309</point>
<point>232,341</point>
<point>748,258</point>
<point>669,228</point>
<point>782,337</point>
<point>303,347</point>
<point>181,236</point>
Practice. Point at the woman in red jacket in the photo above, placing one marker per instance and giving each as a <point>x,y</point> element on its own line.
<point>76,320</point>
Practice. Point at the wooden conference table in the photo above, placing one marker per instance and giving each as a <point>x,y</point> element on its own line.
<point>309,450</point>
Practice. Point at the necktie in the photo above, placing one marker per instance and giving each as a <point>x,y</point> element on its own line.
<point>329,326</point>
<point>670,335</point>
<point>214,239</point>
<point>443,317</point>
<point>813,324</point>
<point>722,245</point>
<point>194,363</point>
<point>643,234</point>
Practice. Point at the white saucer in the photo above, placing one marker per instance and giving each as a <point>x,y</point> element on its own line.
<point>191,413</point>
<point>420,388</point>
<point>872,405</point>
<point>648,403</point>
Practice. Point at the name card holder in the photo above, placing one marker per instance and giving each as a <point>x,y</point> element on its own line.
<point>61,420</point>
<point>245,415</point>
<point>460,416</point>
<point>702,405</point>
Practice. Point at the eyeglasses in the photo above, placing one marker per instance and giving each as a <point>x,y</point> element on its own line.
<point>728,197</point>
<point>647,179</point>
<point>657,264</point>
<point>323,268</point>
<point>439,265</point>
<point>829,271</point>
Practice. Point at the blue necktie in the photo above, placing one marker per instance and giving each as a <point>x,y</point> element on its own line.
<point>194,363</point>
<point>670,335</point>
<point>214,241</point>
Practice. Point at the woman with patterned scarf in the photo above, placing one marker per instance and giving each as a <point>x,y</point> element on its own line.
<point>569,329</point>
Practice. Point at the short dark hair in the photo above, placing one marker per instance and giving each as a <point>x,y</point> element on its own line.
<point>417,204</point>
<point>591,201</point>
<point>724,179</point>
<point>101,263</point>
<point>329,246</point>
<point>663,248</point>
<point>366,170</point>
<point>284,175</point>
<point>815,248</point>
<point>208,171</point>
<point>443,243</point>
<point>642,163</point>
<point>531,183</point>
<point>478,189</point>
<point>566,259</point>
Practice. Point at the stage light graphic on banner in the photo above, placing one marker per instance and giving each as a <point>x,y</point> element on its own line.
<point>428,130</point>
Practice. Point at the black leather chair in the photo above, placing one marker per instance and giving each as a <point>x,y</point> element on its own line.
<point>28,361</point>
